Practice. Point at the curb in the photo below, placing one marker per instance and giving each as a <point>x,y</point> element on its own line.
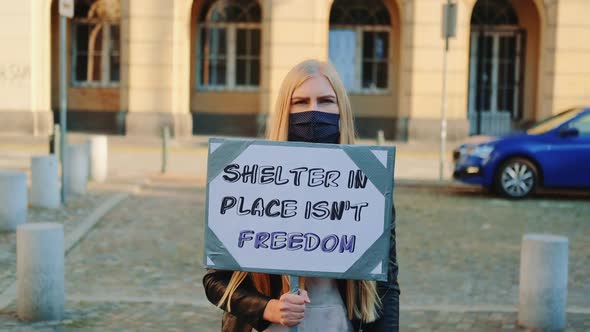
<point>407,182</point>
<point>72,239</point>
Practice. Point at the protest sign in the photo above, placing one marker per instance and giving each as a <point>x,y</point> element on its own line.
<point>302,209</point>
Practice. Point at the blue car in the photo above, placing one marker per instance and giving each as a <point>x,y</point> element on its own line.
<point>553,153</point>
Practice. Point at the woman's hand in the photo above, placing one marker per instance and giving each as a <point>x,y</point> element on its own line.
<point>288,310</point>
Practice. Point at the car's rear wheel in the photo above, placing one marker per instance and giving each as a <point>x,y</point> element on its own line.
<point>517,178</point>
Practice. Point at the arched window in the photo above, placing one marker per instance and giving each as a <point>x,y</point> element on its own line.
<point>497,12</point>
<point>229,45</point>
<point>359,43</point>
<point>96,43</point>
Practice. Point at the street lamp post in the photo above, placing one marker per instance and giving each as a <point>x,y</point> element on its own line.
<point>66,10</point>
<point>449,23</point>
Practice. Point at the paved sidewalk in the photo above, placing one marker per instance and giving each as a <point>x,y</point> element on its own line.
<point>69,216</point>
<point>188,157</point>
<point>158,317</point>
<point>139,268</point>
<point>78,216</point>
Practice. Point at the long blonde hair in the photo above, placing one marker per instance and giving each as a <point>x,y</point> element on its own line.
<point>362,301</point>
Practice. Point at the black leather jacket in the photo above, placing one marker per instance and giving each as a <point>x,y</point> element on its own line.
<point>248,304</point>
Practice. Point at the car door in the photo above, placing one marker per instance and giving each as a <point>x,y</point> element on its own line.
<point>569,162</point>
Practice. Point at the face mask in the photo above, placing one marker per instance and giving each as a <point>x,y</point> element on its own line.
<point>314,127</point>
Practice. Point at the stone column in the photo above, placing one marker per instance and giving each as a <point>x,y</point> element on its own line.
<point>77,168</point>
<point>98,153</point>
<point>40,271</point>
<point>24,69</point>
<point>13,200</point>
<point>543,282</point>
<point>148,65</point>
<point>567,52</point>
<point>425,67</point>
<point>45,182</point>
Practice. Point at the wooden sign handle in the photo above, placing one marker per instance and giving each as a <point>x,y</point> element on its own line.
<point>293,288</point>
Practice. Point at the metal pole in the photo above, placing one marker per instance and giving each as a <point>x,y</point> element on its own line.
<point>443,122</point>
<point>293,288</point>
<point>165,145</point>
<point>55,141</point>
<point>63,103</point>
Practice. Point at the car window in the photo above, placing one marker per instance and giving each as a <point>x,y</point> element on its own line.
<point>582,124</point>
<point>554,121</point>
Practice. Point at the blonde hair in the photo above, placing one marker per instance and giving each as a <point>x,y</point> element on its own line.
<point>362,300</point>
<point>278,128</point>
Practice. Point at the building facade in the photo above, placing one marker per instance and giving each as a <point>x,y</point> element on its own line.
<point>215,66</point>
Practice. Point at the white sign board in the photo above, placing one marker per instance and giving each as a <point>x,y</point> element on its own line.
<point>66,8</point>
<point>299,208</point>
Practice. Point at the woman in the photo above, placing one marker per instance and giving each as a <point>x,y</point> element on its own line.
<point>312,106</point>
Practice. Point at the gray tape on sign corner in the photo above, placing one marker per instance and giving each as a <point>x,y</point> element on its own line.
<point>227,152</point>
<point>373,256</point>
<point>366,161</point>
<point>218,253</point>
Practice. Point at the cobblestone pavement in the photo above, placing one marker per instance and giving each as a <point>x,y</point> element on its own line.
<point>149,246</point>
<point>139,268</point>
<point>426,321</point>
<point>152,317</point>
<point>117,316</point>
<point>462,245</point>
<point>458,250</point>
<point>77,209</point>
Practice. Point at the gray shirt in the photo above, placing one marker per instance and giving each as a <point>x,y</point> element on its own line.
<point>325,313</point>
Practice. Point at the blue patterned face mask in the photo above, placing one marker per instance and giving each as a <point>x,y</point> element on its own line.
<point>314,127</point>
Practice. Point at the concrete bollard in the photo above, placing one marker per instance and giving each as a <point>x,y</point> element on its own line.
<point>165,148</point>
<point>13,200</point>
<point>98,152</point>
<point>76,168</point>
<point>40,271</point>
<point>45,182</point>
<point>380,137</point>
<point>543,282</point>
